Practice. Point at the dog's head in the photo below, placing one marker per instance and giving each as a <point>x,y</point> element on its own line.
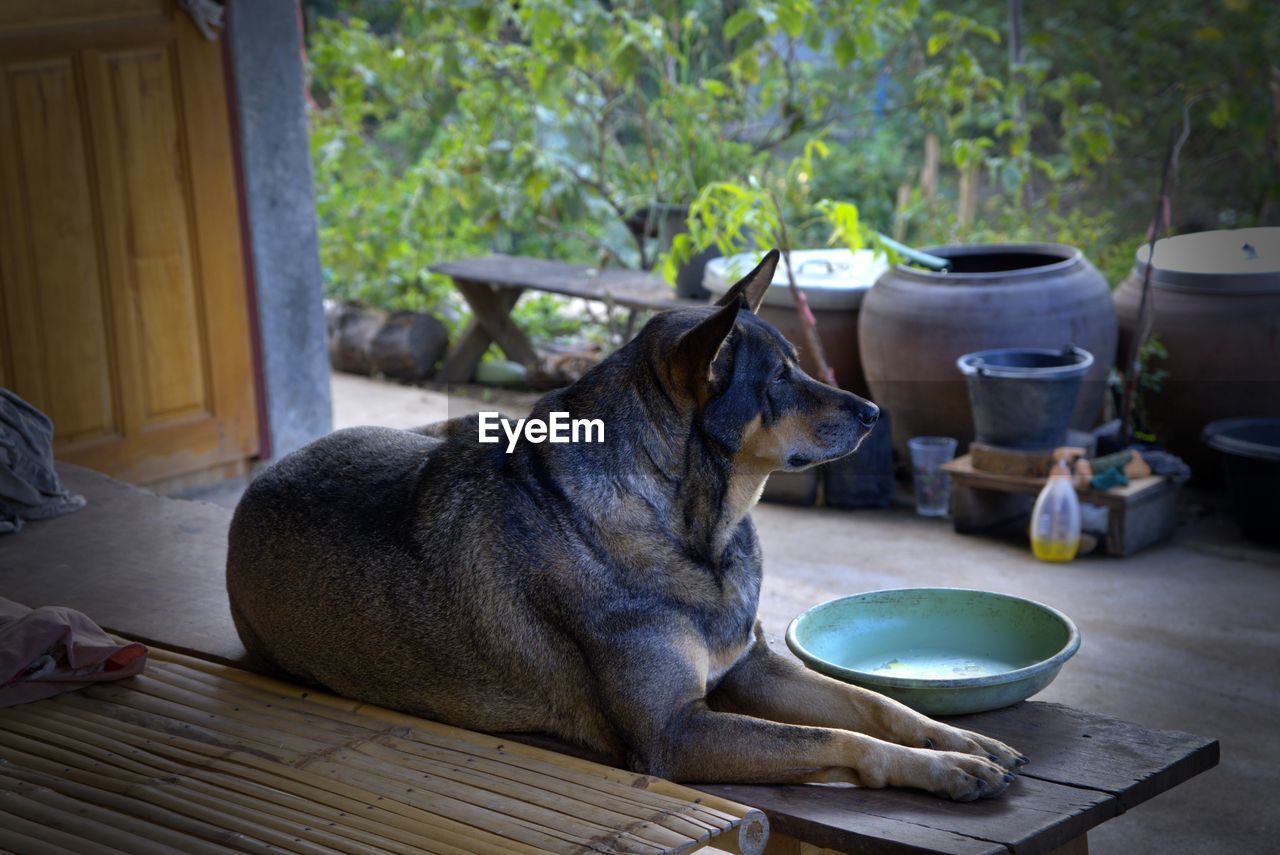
<point>744,384</point>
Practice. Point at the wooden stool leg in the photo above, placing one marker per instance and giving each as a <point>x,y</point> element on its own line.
<point>1076,846</point>
<point>630,329</point>
<point>460,364</point>
<point>974,510</point>
<point>492,307</point>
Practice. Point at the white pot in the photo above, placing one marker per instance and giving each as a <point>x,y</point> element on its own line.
<point>832,279</point>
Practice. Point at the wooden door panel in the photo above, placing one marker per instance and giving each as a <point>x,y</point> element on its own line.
<point>150,226</point>
<point>59,337</point>
<point>224,299</point>
<point>123,306</point>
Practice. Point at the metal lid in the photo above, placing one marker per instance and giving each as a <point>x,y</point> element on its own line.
<point>831,278</point>
<point>1230,261</point>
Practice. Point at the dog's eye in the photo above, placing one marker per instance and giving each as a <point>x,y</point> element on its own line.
<point>781,375</point>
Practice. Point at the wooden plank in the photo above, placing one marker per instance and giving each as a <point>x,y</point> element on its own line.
<point>1030,818</point>
<point>829,817</point>
<point>155,205</point>
<point>1079,846</point>
<point>903,821</point>
<point>1086,750</point>
<point>56,310</point>
<point>492,285</point>
<point>1151,518</point>
<point>214,220</point>
<point>630,288</point>
<point>1141,514</point>
<point>33,14</point>
<point>460,363</point>
<point>974,511</point>
<point>963,471</point>
<point>146,549</point>
<point>1085,768</point>
<point>494,314</point>
<point>995,460</point>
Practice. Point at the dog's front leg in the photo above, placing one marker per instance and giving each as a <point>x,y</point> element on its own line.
<point>765,684</point>
<point>652,692</point>
<point>705,746</point>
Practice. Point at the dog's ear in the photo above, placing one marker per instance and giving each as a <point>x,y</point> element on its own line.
<point>751,287</point>
<point>697,348</point>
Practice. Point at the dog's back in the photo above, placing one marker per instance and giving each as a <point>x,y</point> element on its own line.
<point>347,557</point>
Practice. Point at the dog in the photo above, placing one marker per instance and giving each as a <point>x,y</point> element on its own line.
<point>604,593</point>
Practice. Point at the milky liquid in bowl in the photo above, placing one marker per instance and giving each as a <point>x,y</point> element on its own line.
<point>932,663</point>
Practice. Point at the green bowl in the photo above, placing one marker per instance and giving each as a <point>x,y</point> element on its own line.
<point>941,651</point>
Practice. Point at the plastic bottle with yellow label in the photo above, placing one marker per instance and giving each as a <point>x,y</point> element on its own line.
<point>1055,519</point>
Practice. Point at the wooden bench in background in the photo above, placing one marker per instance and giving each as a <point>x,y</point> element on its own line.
<point>492,285</point>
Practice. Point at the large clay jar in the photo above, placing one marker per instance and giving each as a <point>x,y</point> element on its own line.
<point>1216,303</point>
<point>916,323</point>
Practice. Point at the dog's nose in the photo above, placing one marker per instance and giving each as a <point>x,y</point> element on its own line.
<point>868,413</point>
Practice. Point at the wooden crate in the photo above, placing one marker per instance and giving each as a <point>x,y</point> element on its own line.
<point>1139,515</point>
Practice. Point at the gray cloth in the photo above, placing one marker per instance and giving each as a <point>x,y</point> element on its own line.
<point>29,486</point>
<point>1169,465</point>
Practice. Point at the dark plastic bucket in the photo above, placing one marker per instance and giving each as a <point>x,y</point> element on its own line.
<point>1024,397</point>
<point>1251,456</point>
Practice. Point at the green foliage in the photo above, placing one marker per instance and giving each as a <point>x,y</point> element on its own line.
<point>1218,59</point>
<point>1071,140</point>
<point>992,112</point>
<point>540,128</point>
<point>1014,125</point>
<point>1150,382</point>
<point>761,213</point>
<point>421,154</point>
<point>449,129</point>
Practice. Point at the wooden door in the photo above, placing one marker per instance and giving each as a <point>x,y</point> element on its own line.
<point>123,306</point>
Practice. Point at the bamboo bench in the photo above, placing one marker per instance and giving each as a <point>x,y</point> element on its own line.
<point>1085,768</point>
<point>492,285</point>
<point>196,757</point>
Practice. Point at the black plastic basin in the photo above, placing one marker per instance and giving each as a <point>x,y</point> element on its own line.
<point>1251,455</point>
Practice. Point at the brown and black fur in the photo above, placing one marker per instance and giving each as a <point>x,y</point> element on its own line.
<point>603,592</point>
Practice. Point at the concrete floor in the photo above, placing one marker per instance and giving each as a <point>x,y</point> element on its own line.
<point>1183,636</point>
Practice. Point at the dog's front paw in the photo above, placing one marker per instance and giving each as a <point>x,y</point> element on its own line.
<point>965,778</point>
<point>945,738</point>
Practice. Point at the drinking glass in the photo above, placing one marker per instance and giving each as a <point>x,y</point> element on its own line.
<point>933,486</point>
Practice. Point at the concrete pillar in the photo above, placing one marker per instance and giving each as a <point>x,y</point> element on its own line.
<point>264,44</point>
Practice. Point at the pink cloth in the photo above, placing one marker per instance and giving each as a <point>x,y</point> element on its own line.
<point>53,649</point>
